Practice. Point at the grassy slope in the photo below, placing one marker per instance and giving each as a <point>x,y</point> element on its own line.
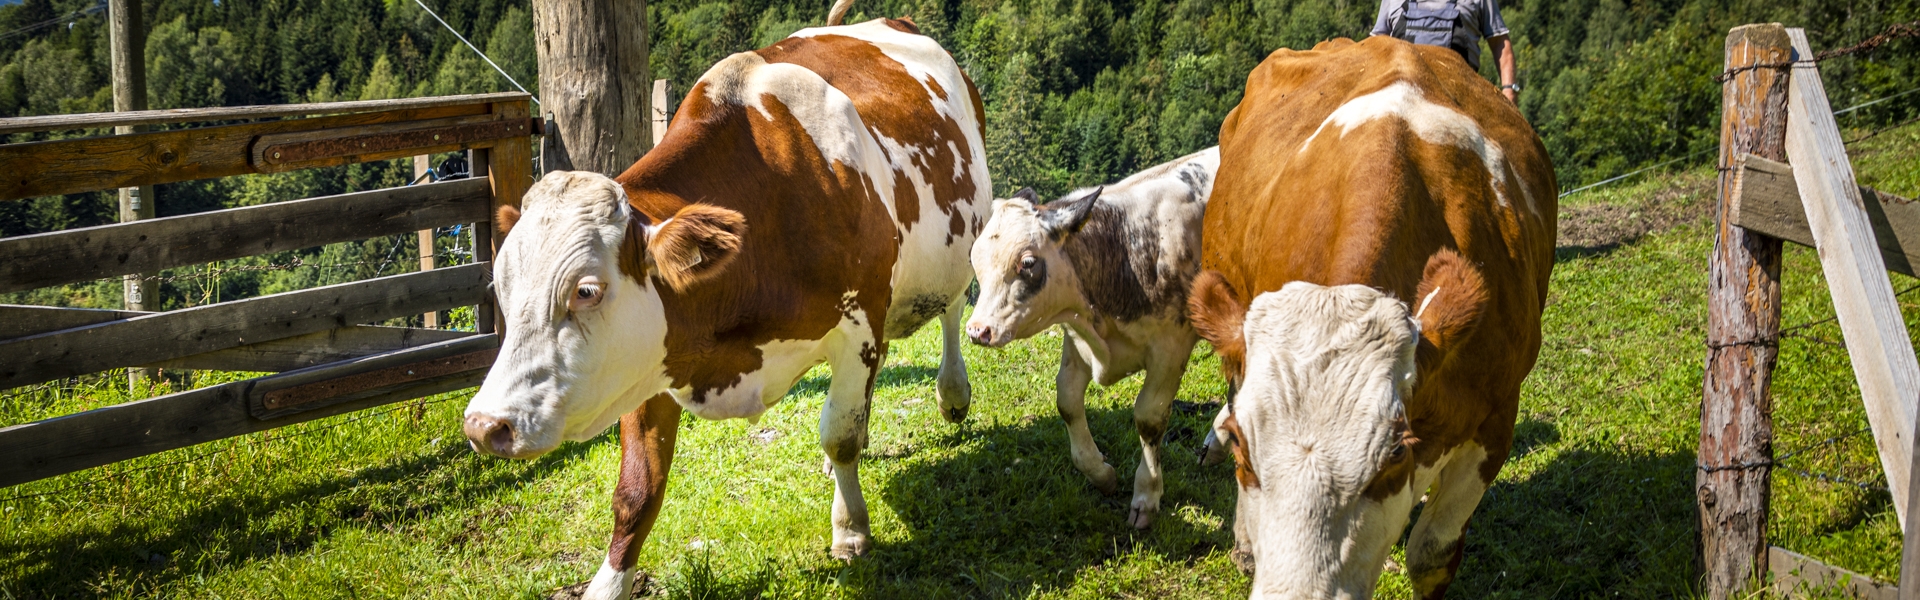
<point>1596,500</point>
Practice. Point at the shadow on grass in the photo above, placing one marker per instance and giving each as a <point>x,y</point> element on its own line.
<point>233,528</point>
<point>890,376</point>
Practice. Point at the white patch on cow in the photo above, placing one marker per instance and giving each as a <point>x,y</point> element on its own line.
<point>609,583</point>
<point>563,375</point>
<point>1324,383</point>
<point>781,363</point>
<point>823,111</point>
<point>1434,123</point>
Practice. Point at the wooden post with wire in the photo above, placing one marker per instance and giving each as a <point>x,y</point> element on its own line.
<point>127,41</point>
<point>593,83</point>
<point>421,164</point>
<point>660,114</point>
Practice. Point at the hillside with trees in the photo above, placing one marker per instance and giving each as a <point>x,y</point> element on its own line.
<point>1077,91</point>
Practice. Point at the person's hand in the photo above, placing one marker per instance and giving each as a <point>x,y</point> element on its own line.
<point>1512,95</point>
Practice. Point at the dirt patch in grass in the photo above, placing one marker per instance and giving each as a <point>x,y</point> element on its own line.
<point>1627,216</point>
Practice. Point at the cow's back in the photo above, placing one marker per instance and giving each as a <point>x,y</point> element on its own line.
<point>1380,154</point>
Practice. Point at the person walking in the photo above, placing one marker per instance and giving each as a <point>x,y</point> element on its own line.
<point>1455,24</point>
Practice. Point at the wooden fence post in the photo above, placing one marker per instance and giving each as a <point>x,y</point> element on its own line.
<point>660,114</point>
<point>1743,327</point>
<point>127,43</point>
<point>593,83</point>
<point>421,164</point>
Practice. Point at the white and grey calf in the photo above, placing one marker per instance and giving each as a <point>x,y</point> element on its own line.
<point>1112,266</point>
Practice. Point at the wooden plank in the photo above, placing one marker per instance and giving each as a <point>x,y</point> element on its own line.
<point>318,387</point>
<point>1883,358</point>
<point>1796,575</point>
<point>317,348</point>
<point>1743,331</point>
<point>331,147</point>
<point>106,162</point>
<point>18,320</point>
<point>285,354</point>
<point>178,334</point>
<point>509,167</point>
<point>60,445</point>
<point>41,260</point>
<point>659,109</point>
<point>239,113</point>
<point>1767,199</point>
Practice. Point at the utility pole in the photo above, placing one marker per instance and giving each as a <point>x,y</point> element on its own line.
<point>594,83</point>
<point>128,41</point>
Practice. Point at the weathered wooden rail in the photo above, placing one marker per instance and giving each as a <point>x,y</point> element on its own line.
<point>328,361</point>
<point>1775,109</point>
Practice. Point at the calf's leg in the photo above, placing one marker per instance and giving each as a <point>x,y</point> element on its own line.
<point>1070,396</point>
<point>954,392</point>
<point>646,455</point>
<point>843,434</point>
<point>1150,412</point>
<point>1435,547</point>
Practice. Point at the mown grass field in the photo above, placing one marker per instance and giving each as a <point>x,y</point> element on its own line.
<point>1596,500</point>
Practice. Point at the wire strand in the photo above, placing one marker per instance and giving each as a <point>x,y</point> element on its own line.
<point>483,55</point>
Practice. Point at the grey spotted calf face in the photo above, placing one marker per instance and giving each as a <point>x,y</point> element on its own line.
<point>1026,281</point>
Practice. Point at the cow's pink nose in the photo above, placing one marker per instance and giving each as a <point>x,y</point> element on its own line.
<point>490,435</point>
<point>980,334</point>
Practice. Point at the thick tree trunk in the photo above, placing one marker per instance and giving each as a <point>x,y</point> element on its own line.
<point>594,83</point>
<point>1743,327</point>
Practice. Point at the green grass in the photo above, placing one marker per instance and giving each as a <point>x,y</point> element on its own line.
<point>1596,500</point>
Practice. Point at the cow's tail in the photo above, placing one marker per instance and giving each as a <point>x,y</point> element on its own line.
<point>839,12</point>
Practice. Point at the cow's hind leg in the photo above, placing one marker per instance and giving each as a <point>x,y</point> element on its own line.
<point>646,454</point>
<point>1150,412</point>
<point>1070,397</point>
<point>855,360</point>
<point>1436,545</point>
<point>954,391</point>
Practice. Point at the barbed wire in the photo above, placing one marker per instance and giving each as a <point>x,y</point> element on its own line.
<point>1895,32</point>
<point>272,435</point>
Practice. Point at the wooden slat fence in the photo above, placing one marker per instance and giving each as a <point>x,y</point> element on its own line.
<point>328,360</point>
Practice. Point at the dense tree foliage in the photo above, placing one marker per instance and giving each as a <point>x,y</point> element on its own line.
<point>1077,91</point>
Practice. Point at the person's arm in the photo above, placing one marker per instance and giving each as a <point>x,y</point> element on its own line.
<point>1502,47</point>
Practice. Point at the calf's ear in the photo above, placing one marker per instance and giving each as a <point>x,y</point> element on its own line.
<point>1452,298</point>
<point>1217,314</point>
<point>504,217</point>
<point>1065,217</point>
<point>694,244</point>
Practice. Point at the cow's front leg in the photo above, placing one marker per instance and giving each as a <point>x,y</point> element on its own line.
<point>954,391</point>
<point>843,434</point>
<point>646,455</point>
<point>1150,412</point>
<point>1437,543</point>
<point>1070,397</point>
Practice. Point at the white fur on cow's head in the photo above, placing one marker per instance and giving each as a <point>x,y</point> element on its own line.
<point>1026,282</point>
<point>1319,433</point>
<point>585,325</point>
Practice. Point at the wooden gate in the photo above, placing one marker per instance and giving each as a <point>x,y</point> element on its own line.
<point>328,363</point>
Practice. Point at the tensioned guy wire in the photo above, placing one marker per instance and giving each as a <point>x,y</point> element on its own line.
<point>483,55</point>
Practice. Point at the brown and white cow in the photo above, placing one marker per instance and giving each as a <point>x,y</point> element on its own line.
<point>1110,265</point>
<point>812,200</point>
<point>1378,334</point>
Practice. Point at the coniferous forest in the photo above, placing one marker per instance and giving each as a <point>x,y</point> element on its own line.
<point>1077,91</point>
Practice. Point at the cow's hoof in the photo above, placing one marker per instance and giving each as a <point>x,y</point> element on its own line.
<point>1141,517</point>
<point>851,545</point>
<point>955,415</point>
<point>1242,560</point>
<point>1106,479</point>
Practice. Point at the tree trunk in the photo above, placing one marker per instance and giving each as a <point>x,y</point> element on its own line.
<point>594,83</point>
<point>1743,327</point>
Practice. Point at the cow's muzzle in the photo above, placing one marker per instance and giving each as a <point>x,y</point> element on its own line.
<point>985,335</point>
<point>492,436</point>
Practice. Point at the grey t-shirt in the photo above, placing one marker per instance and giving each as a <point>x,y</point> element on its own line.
<point>1482,15</point>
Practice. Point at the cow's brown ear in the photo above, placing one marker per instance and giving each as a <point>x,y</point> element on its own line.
<point>504,217</point>
<point>1451,298</point>
<point>695,244</point>
<point>1217,313</point>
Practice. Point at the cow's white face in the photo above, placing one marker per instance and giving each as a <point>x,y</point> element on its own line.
<point>1319,433</point>
<point>1026,281</point>
<point>586,327</point>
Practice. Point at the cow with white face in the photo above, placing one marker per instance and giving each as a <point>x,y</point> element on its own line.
<point>1378,333</point>
<point>812,200</point>
<point>1110,265</point>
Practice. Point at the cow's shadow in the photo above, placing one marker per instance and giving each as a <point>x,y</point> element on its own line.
<point>395,492</point>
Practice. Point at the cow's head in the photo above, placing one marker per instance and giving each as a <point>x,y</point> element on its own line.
<point>1318,429</point>
<point>579,285</point>
<point>1026,282</point>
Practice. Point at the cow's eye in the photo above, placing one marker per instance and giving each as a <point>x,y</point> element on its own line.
<point>1027,263</point>
<point>587,294</point>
